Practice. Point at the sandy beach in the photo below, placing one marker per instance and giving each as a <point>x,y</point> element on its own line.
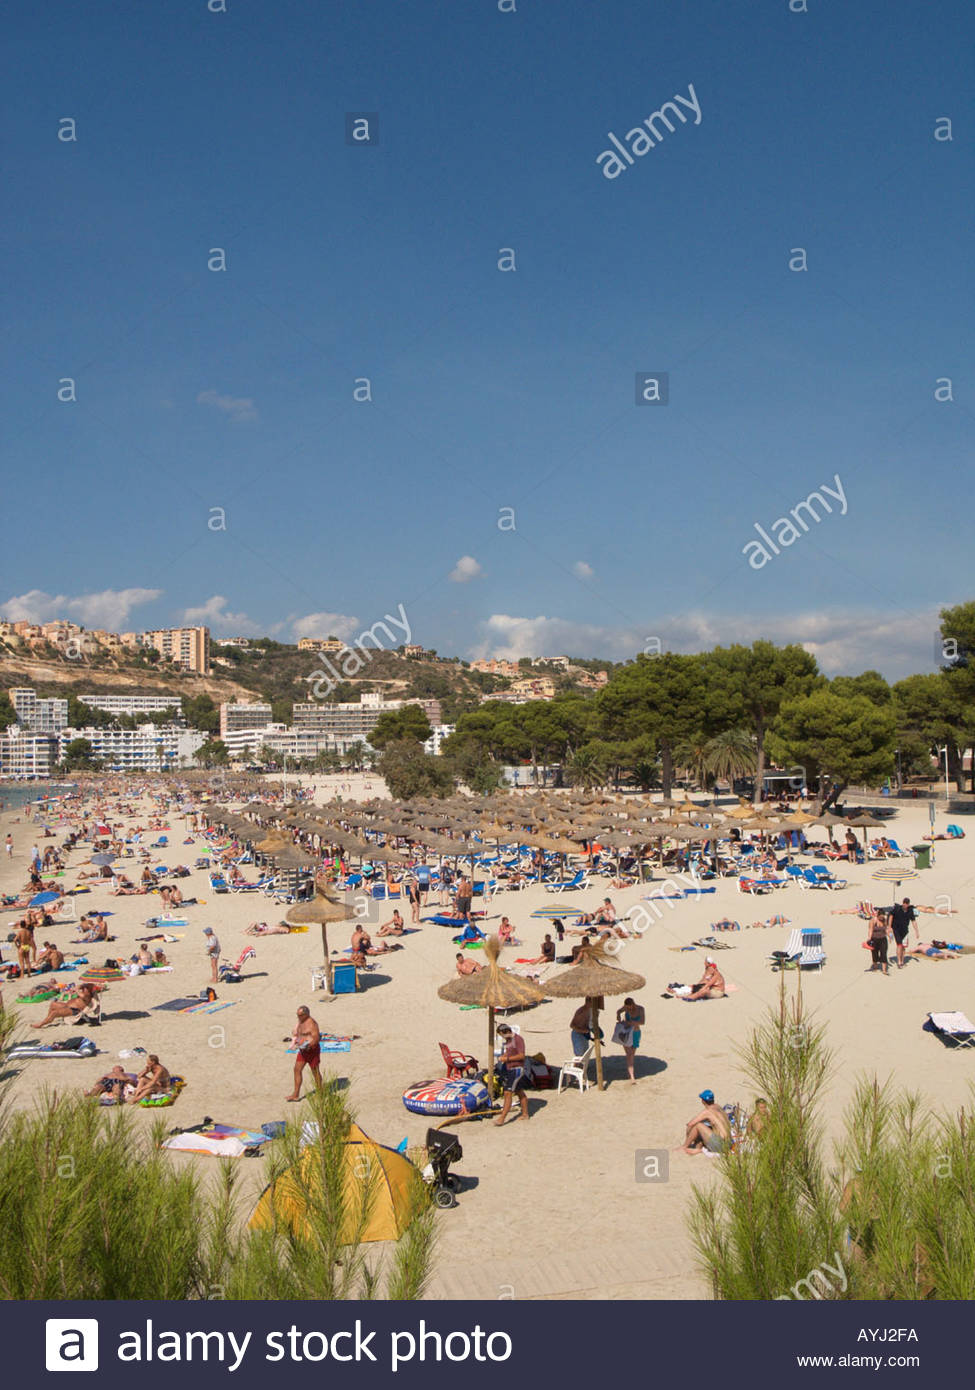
<point>556,1210</point>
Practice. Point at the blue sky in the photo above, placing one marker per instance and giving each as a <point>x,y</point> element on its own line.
<point>199,390</point>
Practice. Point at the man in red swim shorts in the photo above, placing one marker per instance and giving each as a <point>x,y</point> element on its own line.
<point>307,1039</point>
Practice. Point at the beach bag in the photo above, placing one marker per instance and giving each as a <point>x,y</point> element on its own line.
<point>623,1034</point>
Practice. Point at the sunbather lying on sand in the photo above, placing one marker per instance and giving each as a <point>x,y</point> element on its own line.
<point>928,948</point>
<point>262,929</point>
<point>114,1083</point>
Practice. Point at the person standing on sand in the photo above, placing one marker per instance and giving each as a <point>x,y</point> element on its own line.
<point>512,1072</point>
<point>26,946</point>
<point>10,845</point>
<point>213,953</point>
<point>878,942</point>
<point>631,1019</point>
<point>902,918</point>
<point>307,1039</point>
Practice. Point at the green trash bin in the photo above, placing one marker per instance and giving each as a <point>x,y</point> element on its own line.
<point>922,856</point>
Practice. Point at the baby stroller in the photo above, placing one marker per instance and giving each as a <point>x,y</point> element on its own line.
<point>442,1150</point>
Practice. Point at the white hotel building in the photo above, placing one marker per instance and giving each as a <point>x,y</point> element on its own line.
<point>125,703</point>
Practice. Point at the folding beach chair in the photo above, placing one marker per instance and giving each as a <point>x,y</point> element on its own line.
<point>567,885</point>
<point>812,956</point>
<point>822,879</point>
<point>954,1029</point>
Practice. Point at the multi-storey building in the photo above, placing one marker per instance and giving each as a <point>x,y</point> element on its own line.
<point>48,716</point>
<point>188,647</point>
<point>124,703</point>
<point>28,755</point>
<point>237,715</point>
<point>149,748</point>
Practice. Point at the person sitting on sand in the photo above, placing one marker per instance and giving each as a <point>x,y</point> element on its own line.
<point>548,952</point>
<point>50,958</point>
<point>470,933</point>
<point>394,927</point>
<point>95,928</point>
<point>709,1131</point>
<point>605,916</point>
<point>159,958</point>
<point>70,1008</point>
<point>466,965</point>
<point>148,878</point>
<point>114,1083</point>
<point>506,932</point>
<point>577,950</point>
<point>758,1119</point>
<point>124,887</point>
<point>153,1080</point>
<point>362,946</point>
<point>711,985</point>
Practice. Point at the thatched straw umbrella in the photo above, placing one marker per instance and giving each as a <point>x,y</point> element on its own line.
<point>591,978</point>
<point>492,988</point>
<point>320,909</point>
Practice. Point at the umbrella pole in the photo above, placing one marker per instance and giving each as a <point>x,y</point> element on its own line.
<point>594,1023</point>
<point>328,960</point>
<point>491,1079</point>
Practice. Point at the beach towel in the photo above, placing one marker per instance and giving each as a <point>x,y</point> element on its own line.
<point>222,1141</point>
<point>203,1006</point>
<point>177,1005</point>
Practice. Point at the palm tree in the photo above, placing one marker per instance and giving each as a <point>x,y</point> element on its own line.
<point>731,754</point>
<point>586,768</point>
<point>692,757</point>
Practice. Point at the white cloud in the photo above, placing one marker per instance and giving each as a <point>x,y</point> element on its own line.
<point>842,642</point>
<point>108,609</point>
<point>215,614</point>
<point>582,571</point>
<point>241,409</point>
<point>465,570</point>
<point>324,625</point>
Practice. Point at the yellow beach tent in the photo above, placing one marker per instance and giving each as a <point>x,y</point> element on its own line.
<point>378,1182</point>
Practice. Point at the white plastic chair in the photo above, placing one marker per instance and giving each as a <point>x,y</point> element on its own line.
<point>576,1067</point>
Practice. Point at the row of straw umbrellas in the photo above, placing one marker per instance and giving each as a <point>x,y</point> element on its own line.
<point>553,824</point>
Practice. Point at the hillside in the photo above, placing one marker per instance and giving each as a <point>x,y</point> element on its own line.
<point>274,672</point>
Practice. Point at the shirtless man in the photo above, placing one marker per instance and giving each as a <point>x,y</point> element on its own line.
<point>394,927</point>
<point>152,1080</point>
<point>466,965</point>
<point>362,946</point>
<point>113,1083</point>
<point>50,958</point>
<point>307,1039</point>
<point>709,1130</point>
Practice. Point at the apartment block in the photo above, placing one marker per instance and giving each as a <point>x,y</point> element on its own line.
<point>28,755</point>
<point>241,715</point>
<point>149,748</point>
<point>322,644</point>
<point>36,716</point>
<point>125,703</point>
<point>188,647</point>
